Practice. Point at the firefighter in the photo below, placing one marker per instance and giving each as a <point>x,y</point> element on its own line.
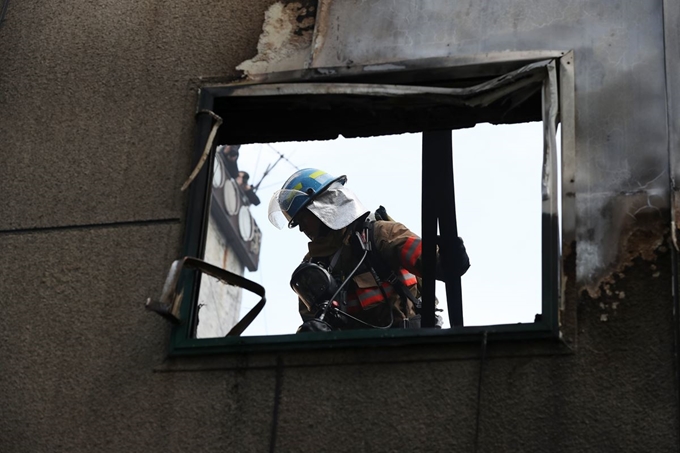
<point>359,272</point>
<point>231,152</point>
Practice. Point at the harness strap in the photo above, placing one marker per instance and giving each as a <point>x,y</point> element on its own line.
<point>334,260</point>
<point>375,260</point>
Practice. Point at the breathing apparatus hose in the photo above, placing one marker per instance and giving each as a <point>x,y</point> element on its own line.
<point>337,291</point>
<point>349,277</point>
<point>368,324</point>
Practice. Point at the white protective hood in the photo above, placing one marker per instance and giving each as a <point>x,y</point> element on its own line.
<point>337,207</point>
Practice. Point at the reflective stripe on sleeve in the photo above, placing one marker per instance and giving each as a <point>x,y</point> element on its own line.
<point>407,278</point>
<point>411,251</point>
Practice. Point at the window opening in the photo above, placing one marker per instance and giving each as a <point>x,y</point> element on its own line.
<point>420,101</point>
<point>498,198</point>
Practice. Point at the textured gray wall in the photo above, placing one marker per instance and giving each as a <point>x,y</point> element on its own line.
<point>97,101</point>
<point>96,133</point>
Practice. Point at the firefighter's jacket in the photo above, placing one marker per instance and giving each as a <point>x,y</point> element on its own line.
<point>398,248</point>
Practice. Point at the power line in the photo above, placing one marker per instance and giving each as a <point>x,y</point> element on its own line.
<point>270,167</point>
<point>274,184</point>
<point>281,156</point>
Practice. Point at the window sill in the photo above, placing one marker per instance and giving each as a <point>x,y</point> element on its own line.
<point>365,347</point>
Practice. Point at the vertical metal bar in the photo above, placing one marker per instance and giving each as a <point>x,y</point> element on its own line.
<point>429,226</point>
<point>448,228</point>
<point>567,217</point>
<point>439,198</point>
<point>551,262</point>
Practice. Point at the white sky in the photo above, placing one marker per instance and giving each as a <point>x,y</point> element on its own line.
<point>498,201</point>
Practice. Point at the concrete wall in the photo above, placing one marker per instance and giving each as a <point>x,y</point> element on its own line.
<point>96,135</point>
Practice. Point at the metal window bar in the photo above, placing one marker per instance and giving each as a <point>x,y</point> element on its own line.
<point>439,208</point>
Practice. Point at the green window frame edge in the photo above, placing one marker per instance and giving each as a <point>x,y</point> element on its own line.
<point>558,87</point>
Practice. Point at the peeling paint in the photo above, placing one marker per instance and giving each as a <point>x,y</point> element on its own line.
<point>640,239</point>
<point>320,30</point>
<point>286,39</point>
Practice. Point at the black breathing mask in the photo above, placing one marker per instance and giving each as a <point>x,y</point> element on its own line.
<point>314,285</point>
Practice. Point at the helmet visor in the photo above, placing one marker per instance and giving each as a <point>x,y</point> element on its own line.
<point>281,203</point>
<point>337,207</point>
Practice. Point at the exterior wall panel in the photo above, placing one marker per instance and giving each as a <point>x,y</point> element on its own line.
<point>97,109</point>
<point>97,104</point>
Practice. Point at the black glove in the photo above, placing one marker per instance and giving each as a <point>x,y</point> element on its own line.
<point>314,325</point>
<point>461,260</point>
<point>458,263</point>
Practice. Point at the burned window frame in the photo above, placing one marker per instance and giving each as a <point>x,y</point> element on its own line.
<point>557,107</point>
